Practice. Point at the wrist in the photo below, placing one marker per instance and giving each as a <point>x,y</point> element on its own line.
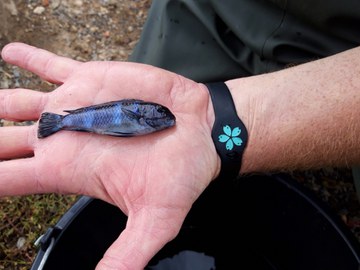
<point>250,109</point>
<point>210,119</point>
<point>228,132</point>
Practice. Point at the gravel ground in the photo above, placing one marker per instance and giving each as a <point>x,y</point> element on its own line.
<point>108,30</point>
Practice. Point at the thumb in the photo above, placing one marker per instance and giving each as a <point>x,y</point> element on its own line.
<point>137,244</point>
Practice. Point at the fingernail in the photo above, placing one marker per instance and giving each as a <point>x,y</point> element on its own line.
<point>6,50</point>
<point>9,52</point>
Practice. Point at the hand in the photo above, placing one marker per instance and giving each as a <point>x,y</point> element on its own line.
<point>154,179</point>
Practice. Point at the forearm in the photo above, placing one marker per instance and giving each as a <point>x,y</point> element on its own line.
<point>302,117</point>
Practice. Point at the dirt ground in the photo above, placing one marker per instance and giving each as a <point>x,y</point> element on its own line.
<point>80,29</point>
<point>108,30</point>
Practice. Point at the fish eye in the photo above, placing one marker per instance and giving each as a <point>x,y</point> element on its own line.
<point>161,109</point>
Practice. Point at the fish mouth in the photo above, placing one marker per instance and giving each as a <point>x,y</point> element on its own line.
<point>172,121</point>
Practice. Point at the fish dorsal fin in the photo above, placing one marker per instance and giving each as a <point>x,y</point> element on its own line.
<point>102,105</point>
<point>91,107</point>
<point>74,111</point>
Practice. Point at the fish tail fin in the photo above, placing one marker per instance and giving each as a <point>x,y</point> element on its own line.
<point>49,124</point>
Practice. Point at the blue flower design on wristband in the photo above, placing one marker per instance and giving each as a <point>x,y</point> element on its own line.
<point>231,137</point>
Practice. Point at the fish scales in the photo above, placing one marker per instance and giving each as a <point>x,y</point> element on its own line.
<point>117,118</point>
<point>104,117</point>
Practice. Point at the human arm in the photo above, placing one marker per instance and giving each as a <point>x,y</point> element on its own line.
<point>155,179</point>
<point>303,117</point>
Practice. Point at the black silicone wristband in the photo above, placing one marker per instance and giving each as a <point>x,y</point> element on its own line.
<point>229,132</point>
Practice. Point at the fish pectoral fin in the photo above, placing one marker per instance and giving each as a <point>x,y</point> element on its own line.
<point>131,114</point>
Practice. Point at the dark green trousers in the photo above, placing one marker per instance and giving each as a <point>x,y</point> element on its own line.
<point>213,40</point>
<point>209,40</point>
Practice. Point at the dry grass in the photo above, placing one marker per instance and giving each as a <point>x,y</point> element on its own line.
<point>24,219</point>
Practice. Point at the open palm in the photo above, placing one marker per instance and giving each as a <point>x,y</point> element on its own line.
<point>154,179</point>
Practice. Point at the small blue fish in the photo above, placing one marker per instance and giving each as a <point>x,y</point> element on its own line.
<point>123,118</point>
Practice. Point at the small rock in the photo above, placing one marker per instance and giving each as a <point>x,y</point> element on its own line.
<point>73,28</point>
<point>78,3</point>
<point>94,29</point>
<point>103,11</point>
<point>4,84</point>
<point>111,2</point>
<point>11,7</point>
<point>20,242</point>
<point>54,4</point>
<point>122,53</point>
<point>39,10</point>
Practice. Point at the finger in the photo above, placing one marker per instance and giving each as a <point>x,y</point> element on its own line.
<point>128,252</point>
<point>16,141</point>
<point>45,64</point>
<point>135,246</point>
<point>18,177</point>
<point>21,104</point>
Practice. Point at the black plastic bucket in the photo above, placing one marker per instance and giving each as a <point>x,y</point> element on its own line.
<point>260,222</point>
